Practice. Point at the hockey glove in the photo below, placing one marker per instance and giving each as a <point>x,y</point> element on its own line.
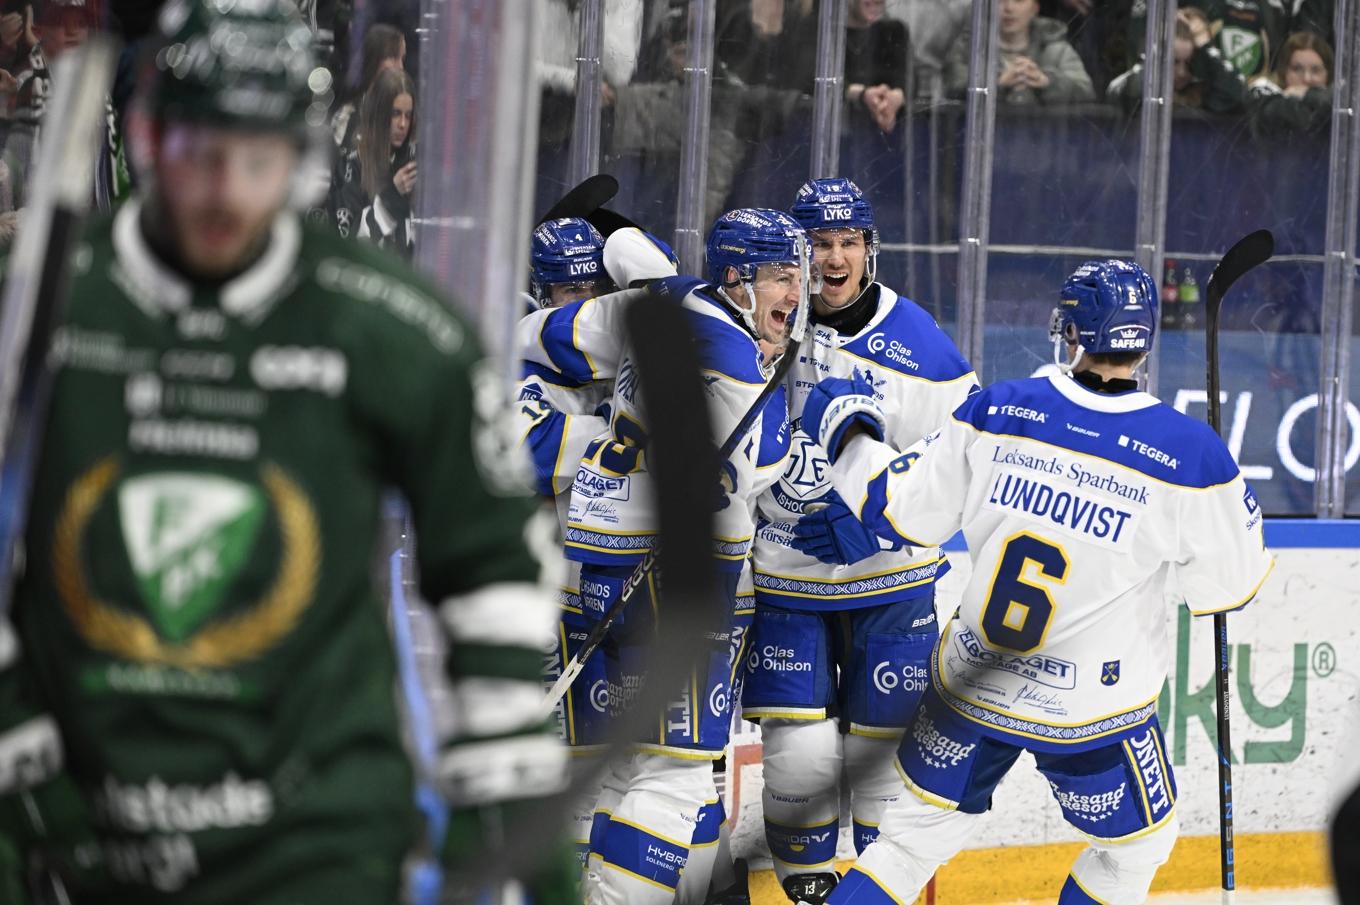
<point>837,403</point>
<point>834,535</point>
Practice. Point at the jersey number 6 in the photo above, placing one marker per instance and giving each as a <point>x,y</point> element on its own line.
<point>1019,607</point>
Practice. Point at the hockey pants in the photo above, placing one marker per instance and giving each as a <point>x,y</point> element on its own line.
<point>644,830</point>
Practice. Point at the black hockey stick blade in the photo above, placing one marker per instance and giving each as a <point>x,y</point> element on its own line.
<point>609,222</point>
<point>1248,252</point>
<point>593,193</point>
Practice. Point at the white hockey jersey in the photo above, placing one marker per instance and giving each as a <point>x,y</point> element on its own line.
<point>611,520</point>
<point>919,378</point>
<point>1082,512</point>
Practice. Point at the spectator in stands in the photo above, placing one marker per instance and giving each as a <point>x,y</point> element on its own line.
<point>1202,78</point>
<point>770,43</point>
<point>1297,96</point>
<point>57,28</point>
<point>16,40</point>
<point>1038,65</point>
<point>1317,16</point>
<point>371,192</point>
<point>649,120</point>
<point>934,25</point>
<point>876,54</point>
<point>384,49</point>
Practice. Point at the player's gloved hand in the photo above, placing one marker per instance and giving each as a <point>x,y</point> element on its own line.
<point>834,535</point>
<point>837,403</point>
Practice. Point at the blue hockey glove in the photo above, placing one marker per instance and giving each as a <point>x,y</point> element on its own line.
<point>834,535</point>
<point>837,403</point>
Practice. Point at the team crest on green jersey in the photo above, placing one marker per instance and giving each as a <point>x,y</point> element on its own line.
<point>187,537</point>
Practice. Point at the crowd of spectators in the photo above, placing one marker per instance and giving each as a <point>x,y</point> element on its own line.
<point>1268,62</point>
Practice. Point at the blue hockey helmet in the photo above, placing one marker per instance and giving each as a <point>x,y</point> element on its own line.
<point>837,203</point>
<point>568,250</point>
<point>1106,307</point>
<point>748,237</point>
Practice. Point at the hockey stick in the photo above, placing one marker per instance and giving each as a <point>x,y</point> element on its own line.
<point>36,285</point>
<point>37,278</point>
<point>648,563</point>
<point>593,193</point>
<point>1250,251</point>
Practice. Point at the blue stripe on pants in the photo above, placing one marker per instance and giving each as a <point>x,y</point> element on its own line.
<point>640,853</point>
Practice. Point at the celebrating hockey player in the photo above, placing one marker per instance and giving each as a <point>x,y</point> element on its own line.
<point>197,656</point>
<point>844,621</point>
<point>1085,504</point>
<point>566,262</point>
<point>568,258</point>
<point>650,813</point>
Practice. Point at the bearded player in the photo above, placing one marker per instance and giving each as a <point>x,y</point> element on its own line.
<point>197,656</point>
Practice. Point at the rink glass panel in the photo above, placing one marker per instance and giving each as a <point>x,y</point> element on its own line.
<point>1229,175</point>
<point>912,176</point>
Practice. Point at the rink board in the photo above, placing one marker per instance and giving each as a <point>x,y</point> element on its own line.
<point>1295,700</point>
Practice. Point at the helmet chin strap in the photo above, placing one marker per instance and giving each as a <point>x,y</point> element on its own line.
<point>1059,355</point>
<point>748,313</point>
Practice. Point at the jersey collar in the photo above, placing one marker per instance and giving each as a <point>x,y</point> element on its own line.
<point>887,300</point>
<point>157,288</point>
<point>1101,402</point>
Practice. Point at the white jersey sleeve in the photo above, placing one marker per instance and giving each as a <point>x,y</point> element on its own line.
<point>577,343</point>
<point>1222,548</point>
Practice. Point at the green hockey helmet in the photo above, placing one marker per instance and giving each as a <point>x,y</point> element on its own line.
<point>246,64</point>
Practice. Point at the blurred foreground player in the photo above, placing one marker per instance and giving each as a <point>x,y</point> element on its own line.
<point>1082,500</point>
<point>197,656</point>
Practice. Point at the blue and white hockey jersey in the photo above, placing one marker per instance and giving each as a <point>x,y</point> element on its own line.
<point>919,378</point>
<point>611,519</point>
<point>1082,511</point>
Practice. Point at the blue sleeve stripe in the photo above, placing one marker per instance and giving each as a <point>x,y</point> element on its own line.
<point>545,441</point>
<point>548,375</point>
<point>724,347</point>
<point>560,341</point>
<point>874,512</point>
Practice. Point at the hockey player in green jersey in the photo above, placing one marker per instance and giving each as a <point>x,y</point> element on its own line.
<point>195,658</point>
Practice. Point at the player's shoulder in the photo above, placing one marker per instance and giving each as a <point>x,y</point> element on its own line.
<point>368,289</point>
<point>903,337</point>
<point>726,347</point>
<point>1134,430</point>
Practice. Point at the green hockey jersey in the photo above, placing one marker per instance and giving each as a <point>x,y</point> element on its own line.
<point>197,612</point>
